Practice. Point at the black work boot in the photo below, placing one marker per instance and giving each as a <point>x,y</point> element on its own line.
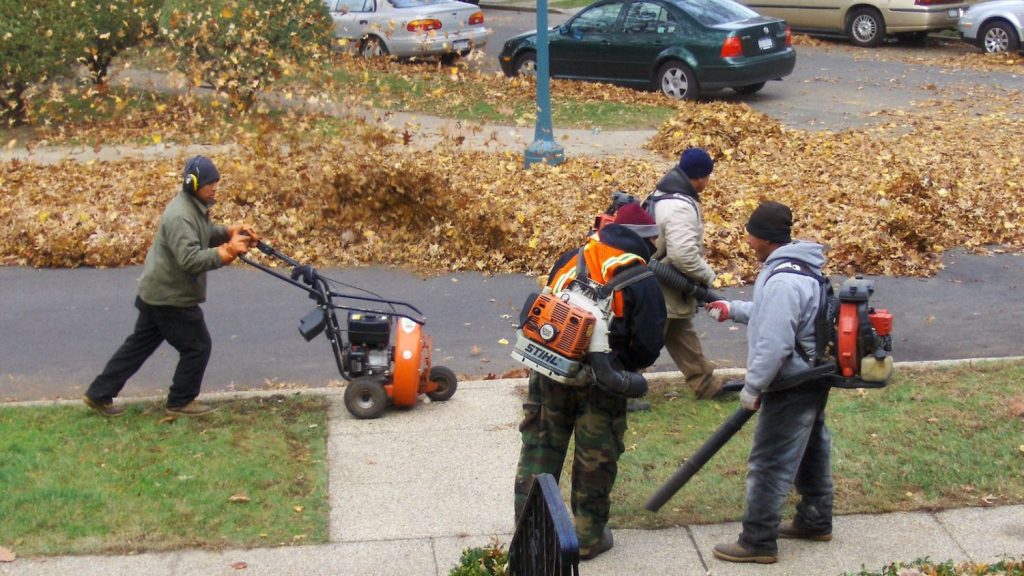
<point>603,545</point>
<point>736,552</point>
<point>797,531</point>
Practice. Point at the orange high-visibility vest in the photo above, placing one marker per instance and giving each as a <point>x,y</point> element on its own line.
<point>602,262</point>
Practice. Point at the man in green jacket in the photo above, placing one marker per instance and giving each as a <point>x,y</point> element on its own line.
<point>172,286</point>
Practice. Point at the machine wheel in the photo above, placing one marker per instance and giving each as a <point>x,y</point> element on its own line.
<point>866,28</point>
<point>997,37</point>
<point>365,398</point>
<point>677,81</point>
<point>372,47</point>
<point>526,65</point>
<point>749,88</point>
<point>446,381</point>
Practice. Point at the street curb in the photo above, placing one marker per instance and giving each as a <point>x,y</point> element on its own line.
<point>339,391</point>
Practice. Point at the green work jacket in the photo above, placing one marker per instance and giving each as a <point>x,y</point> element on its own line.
<point>182,252</point>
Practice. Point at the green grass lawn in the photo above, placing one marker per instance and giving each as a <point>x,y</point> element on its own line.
<point>930,440</point>
<point>252,474</point>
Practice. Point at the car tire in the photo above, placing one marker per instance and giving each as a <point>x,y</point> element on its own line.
<point>865,28</point>
<point>997,37</point>
<point>676,80</point>
<point>526,65</point>
<point>749,88</point>
<point>372,47</point>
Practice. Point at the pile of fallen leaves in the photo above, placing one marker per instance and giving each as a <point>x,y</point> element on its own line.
<point>886,200</point>
<point>363,197</point>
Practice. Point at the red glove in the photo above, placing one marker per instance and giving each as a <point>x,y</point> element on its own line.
<point>719,310</point>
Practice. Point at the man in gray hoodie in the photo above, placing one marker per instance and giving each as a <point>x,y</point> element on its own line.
<point>792,445</point>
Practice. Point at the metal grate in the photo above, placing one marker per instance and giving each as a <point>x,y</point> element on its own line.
<point>545,540</point>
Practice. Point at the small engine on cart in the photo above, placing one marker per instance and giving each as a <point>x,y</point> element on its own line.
<point>368,352</point>
<point>381,349</point>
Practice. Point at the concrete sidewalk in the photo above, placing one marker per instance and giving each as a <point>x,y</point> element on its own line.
<point>411,490</point>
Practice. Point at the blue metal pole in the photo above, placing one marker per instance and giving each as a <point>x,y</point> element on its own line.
<point>543,148</point>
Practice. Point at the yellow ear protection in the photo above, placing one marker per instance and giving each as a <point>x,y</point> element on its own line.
<point>191,183</point>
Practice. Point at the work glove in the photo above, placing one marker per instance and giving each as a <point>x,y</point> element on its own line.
<point>306,273</point>
<point>719,310</point>
<point>246,231</point>
<point>230,250</point>
<point>749,400</point>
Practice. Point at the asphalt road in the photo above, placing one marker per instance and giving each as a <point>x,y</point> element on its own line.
<point>58,327</point>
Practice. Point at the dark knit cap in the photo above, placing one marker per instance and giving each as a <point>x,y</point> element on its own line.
<point>771,221</point>
<point>637,219</point>
<point>203,169</point>
<point>696,163</point>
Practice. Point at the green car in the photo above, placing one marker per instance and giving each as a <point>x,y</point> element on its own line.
<point>684,48</point>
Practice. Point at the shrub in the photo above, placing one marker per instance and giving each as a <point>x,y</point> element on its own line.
<point>111,26</point>
<point>489,561</point>
<point>242,47</point>
<point>35,38</point>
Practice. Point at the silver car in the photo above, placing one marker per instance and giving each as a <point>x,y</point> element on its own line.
<point>995,26</point>
<point>407,28</point>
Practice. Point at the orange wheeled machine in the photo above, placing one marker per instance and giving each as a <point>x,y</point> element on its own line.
<point>380,349</point>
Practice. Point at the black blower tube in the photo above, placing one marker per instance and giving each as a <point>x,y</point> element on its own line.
<point>676,280</point>
<point>710,447</point>
<point>629,384</point>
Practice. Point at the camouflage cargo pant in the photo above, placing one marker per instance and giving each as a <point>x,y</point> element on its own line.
<point>552,413</point>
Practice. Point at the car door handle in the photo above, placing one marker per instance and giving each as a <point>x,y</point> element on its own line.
<point>364,22</point>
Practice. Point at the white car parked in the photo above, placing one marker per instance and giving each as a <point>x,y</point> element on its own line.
<point>407,28</point>
<point>995,26</point>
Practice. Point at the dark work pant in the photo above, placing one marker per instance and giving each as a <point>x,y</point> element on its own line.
<point>792,448</point>
<point>183,328</point>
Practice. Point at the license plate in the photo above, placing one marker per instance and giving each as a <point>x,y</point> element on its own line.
<point>460,45</point>
<point>765,43</point>
<point>953,12</point>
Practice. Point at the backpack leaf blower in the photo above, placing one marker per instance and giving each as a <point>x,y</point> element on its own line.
<point>564,336</point>
<point>380,348</point>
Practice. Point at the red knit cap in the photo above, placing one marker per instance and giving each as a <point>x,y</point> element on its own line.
<point>637,219</point>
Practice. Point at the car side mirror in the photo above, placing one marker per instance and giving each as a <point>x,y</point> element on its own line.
<point>563,30</point>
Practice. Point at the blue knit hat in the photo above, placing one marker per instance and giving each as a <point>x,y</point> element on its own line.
<point>696,163</point>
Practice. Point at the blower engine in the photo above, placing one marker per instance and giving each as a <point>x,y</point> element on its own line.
<point>368,352</point>
<point>565,336</point>
<point>558,333</point>
<point>863,336</point>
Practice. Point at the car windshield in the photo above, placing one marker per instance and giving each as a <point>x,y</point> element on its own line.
<point>417,3</point>
<point>714,12</point>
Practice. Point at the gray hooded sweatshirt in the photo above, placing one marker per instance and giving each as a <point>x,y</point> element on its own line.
<point>783,308</point>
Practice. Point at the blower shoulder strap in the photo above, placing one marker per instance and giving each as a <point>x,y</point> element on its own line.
<point>627,277</point>
<point>654,198</point>
<point>620,281</point>
<point>823,327</point>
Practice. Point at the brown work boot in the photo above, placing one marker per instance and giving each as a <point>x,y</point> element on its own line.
<point>793,530</point>
<point>193,408</point>
<point>736,552</point>
<point>107,410</point>
<point>603,545</point>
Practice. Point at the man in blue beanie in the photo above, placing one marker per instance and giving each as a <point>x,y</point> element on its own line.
<point>173,284</point>
<point>675,205</point>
